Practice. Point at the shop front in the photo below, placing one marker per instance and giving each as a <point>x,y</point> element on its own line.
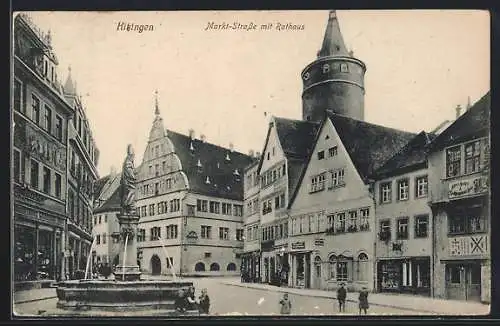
<point>282,264</point>
<point>463,280</point>
<point>250,267</point>
<point>37,248</point>
<point>300,265</point>
<point>405,275</point>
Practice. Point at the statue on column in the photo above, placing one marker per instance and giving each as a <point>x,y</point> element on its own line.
<point>127,184</point>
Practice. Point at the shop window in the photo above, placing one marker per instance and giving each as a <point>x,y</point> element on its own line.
<point>385,192</point>
<point>403,189</point>
<point>454,274</point>
<point>421,226</point>
<point>402,228</point>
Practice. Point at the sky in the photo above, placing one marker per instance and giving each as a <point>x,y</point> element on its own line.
<point>420,66</point>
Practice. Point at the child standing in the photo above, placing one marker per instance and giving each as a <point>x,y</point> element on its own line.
<point>363,300</point>
<point>286,305</point>
<point>204,302</point>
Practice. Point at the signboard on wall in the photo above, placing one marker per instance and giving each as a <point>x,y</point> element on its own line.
<point>468,187</point>
<point>298,245</point>
<point>319,242</point>
<point>468,245</point>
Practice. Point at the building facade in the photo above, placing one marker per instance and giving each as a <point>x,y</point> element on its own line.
<point>250,260</point>
<point>190,199</point>
<point>42,133</point>
<point>404,245</point>
<point>460,158</point>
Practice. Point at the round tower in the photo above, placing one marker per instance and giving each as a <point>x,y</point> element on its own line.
<point>335,80</point>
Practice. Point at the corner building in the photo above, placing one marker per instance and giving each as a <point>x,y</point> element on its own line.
<point>190,199</point>
<point>460,157</point>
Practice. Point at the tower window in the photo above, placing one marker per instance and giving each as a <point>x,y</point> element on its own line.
<point>306,76</point>
<point>326,68</point>
<point>344,68</point>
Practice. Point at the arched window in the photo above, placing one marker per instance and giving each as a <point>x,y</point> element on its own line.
<point>362,267</point>
<point>231,267</point>
<point>214,267</point>
<point>344,268</point>
<point>332,262</point>
<point>344,67</point>
<point>199,267</point>
<point>326,68</point>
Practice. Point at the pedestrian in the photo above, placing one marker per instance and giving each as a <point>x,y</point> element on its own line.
<point>341,296</point>
<point>286,305</point>
<point>363,300</point>
<point>180,305</point>
<point>190,302</point>
<point>204,302</point>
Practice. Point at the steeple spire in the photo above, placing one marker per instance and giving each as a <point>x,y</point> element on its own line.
<point>157,110</point>
<point>333,43</point>
<point>69,86</point>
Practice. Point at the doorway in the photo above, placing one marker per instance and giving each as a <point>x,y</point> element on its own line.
<point>463,281</point>
<point>155,265</point>
<point>272,271</point>
<point>317,273</point>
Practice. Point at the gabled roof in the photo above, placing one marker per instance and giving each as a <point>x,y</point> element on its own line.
<point>410,157</point>
<point>99,185</point>
<point>369,145</point>
<point>297,141</point>
<point>474,122</point>
<point>224,182</point>
<point>113,203</point>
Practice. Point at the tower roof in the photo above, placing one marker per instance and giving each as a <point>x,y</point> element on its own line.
<point>157,110</point>
<point>333,43</point>
<point>69,85</point>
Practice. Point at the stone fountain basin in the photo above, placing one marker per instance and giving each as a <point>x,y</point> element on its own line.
<point>111,295</point>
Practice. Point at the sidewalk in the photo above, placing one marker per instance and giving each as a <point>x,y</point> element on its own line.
<point>401,301</point>
<point>32,295</point>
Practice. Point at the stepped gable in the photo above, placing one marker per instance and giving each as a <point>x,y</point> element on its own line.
<point>475,122</point>
<point>410,157</point>
<point>225,175</point>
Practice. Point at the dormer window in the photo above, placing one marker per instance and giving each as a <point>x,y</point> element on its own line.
<point>191,148</point>
<point>227,157</point>
<point>326,68</point>
<point>236,173</point>
<point>207,180</point>
<point>306,76</point>
<point>218,165</point>
<point>199,164</point>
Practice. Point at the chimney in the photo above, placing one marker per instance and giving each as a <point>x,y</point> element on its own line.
<point>202,138</point>
<point>458,109</point>
<point>231,147</point>
<point>468,103</point>
<point>251,153</point>
<point>191,134</point>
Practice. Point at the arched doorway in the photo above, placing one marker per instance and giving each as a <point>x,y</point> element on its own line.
<point>231,267</point>
<point>199,267</point>
<point>317,273</point>
<point>155,265</point>
<point>214,267</point>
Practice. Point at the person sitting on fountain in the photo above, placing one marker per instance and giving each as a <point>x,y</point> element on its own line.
<point>190,301</point>
<point>204,304</point>
<point>180,302</point>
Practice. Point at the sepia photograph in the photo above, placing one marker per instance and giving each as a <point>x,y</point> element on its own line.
<point>180,164</point>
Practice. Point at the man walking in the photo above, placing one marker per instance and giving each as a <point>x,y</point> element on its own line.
<point>341,297</point>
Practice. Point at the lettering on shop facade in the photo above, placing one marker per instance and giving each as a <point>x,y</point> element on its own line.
<point>468,245</point>
<point>298,245</point>
<point>468,187</point>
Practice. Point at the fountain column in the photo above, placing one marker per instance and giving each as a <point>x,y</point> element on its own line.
<point>127,269</point>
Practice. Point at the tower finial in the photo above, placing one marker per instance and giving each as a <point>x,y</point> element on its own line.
<point>157,110</point>
<point>333,43</point>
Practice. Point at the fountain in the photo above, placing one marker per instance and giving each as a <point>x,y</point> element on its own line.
<point>127,293</point>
